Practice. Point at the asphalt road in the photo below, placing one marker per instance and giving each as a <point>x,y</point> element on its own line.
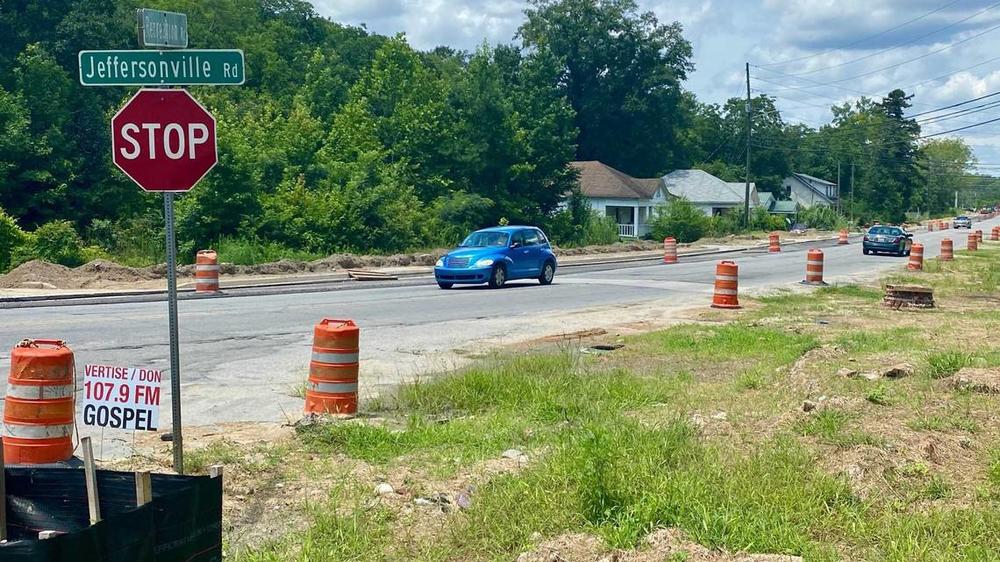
<point>243,358</point>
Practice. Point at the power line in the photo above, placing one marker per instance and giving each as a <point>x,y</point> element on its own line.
<point>961,128</point>
<point>923,56</point>
<point>893,48</point>
<point>863,39</point>
<point>955,105</point>
<point>960,113</point>
<point>935,79</point>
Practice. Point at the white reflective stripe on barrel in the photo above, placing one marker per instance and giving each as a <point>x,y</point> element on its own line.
<point>332,387</point>
<point>38,431</point>
<point>39,392</point>
<point>206,267</point>
<point>815,262</point>
<point>725,291</point>
<point>206,281</point>
<point>720,277</point>
<point>335,358</point>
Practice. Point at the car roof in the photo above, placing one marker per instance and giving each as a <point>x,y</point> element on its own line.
<point>887,226</point>
<point>507,229</point>
<point>962,217</point>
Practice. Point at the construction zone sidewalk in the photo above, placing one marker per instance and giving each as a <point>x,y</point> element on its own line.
<point>38,280</point>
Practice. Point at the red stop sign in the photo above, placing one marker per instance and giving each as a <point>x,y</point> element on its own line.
<point>164,140</point>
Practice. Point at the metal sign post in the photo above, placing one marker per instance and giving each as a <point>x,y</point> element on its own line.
<point>163,139</point>
<point>175,354</point>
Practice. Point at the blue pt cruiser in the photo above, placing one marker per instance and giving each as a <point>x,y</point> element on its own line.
<point>497,255</point>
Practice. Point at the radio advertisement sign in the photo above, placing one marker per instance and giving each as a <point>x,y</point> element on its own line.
<point>121,397</point>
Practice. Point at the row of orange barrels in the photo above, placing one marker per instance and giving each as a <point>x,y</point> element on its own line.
<point>39,409</point>
<point>726,293</point>
<point>773,245</point>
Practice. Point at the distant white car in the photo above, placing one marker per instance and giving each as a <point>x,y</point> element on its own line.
<point>962,222</point>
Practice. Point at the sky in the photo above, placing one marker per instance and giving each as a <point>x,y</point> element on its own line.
<point>808,54</point>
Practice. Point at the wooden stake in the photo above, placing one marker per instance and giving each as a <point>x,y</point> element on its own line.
<point>3,495</point>
<point>215,471</point>
<point>90,474</point>
<point>143,488</point>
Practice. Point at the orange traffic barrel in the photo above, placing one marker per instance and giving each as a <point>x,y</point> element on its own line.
<point>973,244</point>
<point>995,234</point>
<point>930,226</point>
<point>38,411</point>
<point>206,272</point>
<point>842,238</point>
<point>669,250</point>
<point>942,225</point>
<point>916,257</point>
<point>726,285</point>
<point>947,250</point>
<point>814,267</point>
<point>979,236</point>
<point>333,370</point>
<point>773,242</point>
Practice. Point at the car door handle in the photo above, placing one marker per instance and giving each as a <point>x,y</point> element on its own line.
<point>526,251</point>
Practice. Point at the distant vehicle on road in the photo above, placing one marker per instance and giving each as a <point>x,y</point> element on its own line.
<point>497,255</point>
<point>961,222</point>
<point>887,240</point>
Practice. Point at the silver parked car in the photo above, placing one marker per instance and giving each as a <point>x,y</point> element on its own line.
<point>962,222</point>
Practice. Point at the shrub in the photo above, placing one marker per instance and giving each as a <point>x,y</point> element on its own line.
<point>600,230</point>
<point>58,242</point>
<point>680,219</point>
<point>823,218</point>
<point>11,239</point>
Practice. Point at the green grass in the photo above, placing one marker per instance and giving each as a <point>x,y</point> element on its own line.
<point>879,341</point>
<point>882,395</point>
<point>227,453</point>
<point>831,427</point>
<point>947,363</point>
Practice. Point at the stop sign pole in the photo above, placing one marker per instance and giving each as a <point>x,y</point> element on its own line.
<point>163,139</point>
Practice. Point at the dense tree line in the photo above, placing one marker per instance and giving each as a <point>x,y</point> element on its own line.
<point>344,140</point>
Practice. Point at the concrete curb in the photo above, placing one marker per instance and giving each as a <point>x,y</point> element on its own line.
<point>254,289</point>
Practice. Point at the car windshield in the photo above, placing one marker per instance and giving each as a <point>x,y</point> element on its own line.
<point>963,218</point>
<point>483,239</point>
<point>885,230</point>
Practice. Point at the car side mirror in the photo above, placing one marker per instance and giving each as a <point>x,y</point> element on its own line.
<point>515,245</point>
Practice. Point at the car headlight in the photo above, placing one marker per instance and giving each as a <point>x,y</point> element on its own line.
<point>439,263</point>
<point>485,262</point>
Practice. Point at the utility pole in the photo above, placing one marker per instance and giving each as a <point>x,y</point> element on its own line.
<point>956,199</point>
<point>852,190</point>
<point>839,207</point>
<point>746,198</point>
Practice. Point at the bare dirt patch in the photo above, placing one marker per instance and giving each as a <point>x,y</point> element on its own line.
<point>660,545</point>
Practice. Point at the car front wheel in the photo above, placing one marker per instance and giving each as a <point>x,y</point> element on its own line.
<point>445,285</point>
<point>548,273</point>
<point>866,251</point>
<point>498,277</point>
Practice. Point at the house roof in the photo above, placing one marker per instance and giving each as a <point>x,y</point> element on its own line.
<point>785,207</point>
<point>766,199</point>
<point>600,180</point>
<point>815,184</point>
<point>699,186</point>
<point>741,188</point>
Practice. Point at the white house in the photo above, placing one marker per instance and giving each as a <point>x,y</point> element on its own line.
<point>708,193</point>
<point>614,193</point>
<point>807,190</point>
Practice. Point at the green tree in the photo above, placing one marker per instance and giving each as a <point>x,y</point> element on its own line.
<point>621,71</point>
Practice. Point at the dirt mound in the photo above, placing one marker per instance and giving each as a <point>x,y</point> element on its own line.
<point>35,271</point>
<point>99,271</point>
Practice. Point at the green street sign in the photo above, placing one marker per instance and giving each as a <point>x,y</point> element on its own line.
<point>162,29</point>
<point>182,67</point>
